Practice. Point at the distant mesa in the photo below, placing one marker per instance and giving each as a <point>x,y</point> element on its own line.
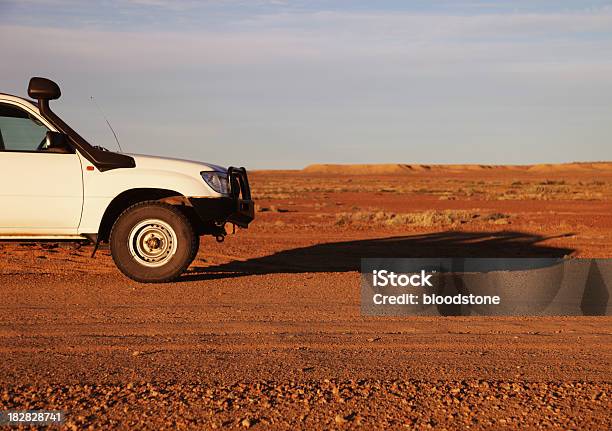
<point>577,167</point>
<point>392,168</point>
<point>398,168</point>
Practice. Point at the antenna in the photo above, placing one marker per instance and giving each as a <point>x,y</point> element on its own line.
<point>107,122</point>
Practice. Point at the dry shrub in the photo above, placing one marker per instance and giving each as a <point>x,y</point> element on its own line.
<point>419,219</point>
<point>497,218</point>
<point>271,208</point>
<point>552,183</point>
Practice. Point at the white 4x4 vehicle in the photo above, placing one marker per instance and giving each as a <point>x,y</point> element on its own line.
<point>55,186</point>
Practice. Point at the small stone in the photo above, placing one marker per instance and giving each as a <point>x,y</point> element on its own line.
<point>340,419</point>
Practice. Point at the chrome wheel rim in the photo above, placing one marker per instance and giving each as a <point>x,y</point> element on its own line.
<point>152,243</point>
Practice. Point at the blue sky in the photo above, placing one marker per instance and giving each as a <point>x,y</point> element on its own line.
<point>281,84</point>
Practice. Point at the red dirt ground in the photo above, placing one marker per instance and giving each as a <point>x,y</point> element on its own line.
<point>265,330</point>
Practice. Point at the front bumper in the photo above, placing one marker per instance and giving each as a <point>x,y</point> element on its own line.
<point>238,208</point>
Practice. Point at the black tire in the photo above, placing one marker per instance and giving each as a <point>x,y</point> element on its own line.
<point>153,242</point>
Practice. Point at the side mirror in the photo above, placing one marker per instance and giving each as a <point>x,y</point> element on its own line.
<point>43,89</point>
<point>56,142</point>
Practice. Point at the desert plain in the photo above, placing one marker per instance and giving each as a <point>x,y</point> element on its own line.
<point>265,329</point>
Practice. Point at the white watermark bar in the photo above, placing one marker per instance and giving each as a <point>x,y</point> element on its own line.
<point>486,287</point>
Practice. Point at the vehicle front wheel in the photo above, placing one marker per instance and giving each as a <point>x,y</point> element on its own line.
<point>153,242</point>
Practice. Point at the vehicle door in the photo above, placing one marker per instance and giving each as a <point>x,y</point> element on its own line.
<point>41,192</point>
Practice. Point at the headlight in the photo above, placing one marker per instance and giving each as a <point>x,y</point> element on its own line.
<point>217,181</point>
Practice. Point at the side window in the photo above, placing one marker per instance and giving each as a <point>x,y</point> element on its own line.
<point>19,131</point>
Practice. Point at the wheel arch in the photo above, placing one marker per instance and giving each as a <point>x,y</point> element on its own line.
<point>127,198</point>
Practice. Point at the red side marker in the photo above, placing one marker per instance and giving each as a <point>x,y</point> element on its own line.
<point>90,168</point>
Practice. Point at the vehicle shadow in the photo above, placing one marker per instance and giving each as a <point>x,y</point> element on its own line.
<point>346,256</point>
